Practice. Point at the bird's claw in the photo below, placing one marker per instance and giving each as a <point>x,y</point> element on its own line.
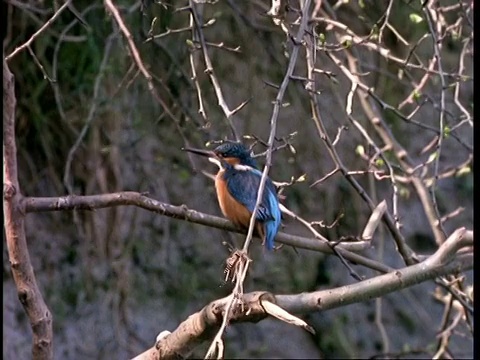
<point>232,263</point>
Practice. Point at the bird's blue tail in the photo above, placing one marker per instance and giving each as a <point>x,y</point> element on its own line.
<point>272,225</point>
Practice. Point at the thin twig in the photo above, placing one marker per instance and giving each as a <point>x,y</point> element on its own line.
<point>430,14</point>
<point>210,72</point>
<point>201,107</point>
<point>91,114</point>
<point>268,161</point>
<point>39,31</point>
<point>176,31</point>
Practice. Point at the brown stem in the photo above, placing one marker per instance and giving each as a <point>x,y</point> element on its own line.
<point>34,204</point>
<point>202,325</point>
<point>14,213</point>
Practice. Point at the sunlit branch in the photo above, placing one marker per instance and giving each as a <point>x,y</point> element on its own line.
<point>202,325</point>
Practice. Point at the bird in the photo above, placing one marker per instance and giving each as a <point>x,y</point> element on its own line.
<point>237,183</point>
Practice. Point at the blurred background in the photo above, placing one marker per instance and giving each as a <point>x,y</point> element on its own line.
<point>88,124</point>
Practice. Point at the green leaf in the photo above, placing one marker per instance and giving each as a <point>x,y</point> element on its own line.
<point>464,171</point>
<point>415,18</point>
<point>360,150</point>
<point>347,43</point>
<point>321,38</point>
<point>432,157</point>
<point>302,178</point>
<point>417,94</point>
<point>403,192</point>
<point>446,131</point>
<point>190,43</point>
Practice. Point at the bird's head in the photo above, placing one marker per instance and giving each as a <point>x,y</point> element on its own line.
<point>229,152</point>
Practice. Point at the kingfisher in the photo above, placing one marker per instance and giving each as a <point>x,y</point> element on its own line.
<point>236,185</point>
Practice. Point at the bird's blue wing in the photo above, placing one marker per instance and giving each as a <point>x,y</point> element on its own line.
<point>243,186</point>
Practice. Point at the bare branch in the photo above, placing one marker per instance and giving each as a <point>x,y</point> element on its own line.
<point>176,31</point>
<point>210,72</point>
<point>405,251</point>
<point>201,107</point>
<point>14,214</point>
<point>39,31</point>
<point>281,314</point>
<point>91,113</point>
<point>374,220</point>
<point>138,61</point>
<point>401,154</point>
<point>39,64</point>
<point>92,202</point>
<point>442,262</point>
<point>273,119</point>
<point>202,325</point>
<point>431,19</point>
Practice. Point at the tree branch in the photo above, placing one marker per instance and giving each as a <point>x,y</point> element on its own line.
<point>91,202</point>
<point>39,31</point>
<point>202,325</point>
<point>14,213</point>
<point>211,73</point>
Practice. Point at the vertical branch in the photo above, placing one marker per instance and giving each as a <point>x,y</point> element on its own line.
<point>276,110</point>
<point>430,14</point>
<point>217,344</point>
<point>209,70</point>
<point>201,107</point>
<point>91,113</point>
<point>392,224</point>
<point>14,213</point>
<point>380,255</point>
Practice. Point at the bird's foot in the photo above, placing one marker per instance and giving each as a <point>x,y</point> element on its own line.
<point>232,264</point>
<point>277,247</point>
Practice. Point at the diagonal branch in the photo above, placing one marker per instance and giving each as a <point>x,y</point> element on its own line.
<point>243,268</point>
<point>446,260</point>
<point>110,7</point>
<point>202,325</point>
<point>209,70</point>
<point>38,32</point>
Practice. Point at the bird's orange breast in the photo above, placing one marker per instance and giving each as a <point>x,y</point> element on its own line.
<point>230,207</point>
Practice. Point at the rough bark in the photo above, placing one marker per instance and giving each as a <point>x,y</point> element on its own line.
<point>14,215</point>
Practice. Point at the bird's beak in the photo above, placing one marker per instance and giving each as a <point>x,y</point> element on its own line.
<point>206,153</point>
<point>212,157</point>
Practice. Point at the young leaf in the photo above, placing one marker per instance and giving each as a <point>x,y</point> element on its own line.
<point>415,18</point>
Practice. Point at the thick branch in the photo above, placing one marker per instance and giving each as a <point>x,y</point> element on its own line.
<point>22,270</point>
<point>199,326</point>
<point>40,204</point>
<point>444,261</point>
